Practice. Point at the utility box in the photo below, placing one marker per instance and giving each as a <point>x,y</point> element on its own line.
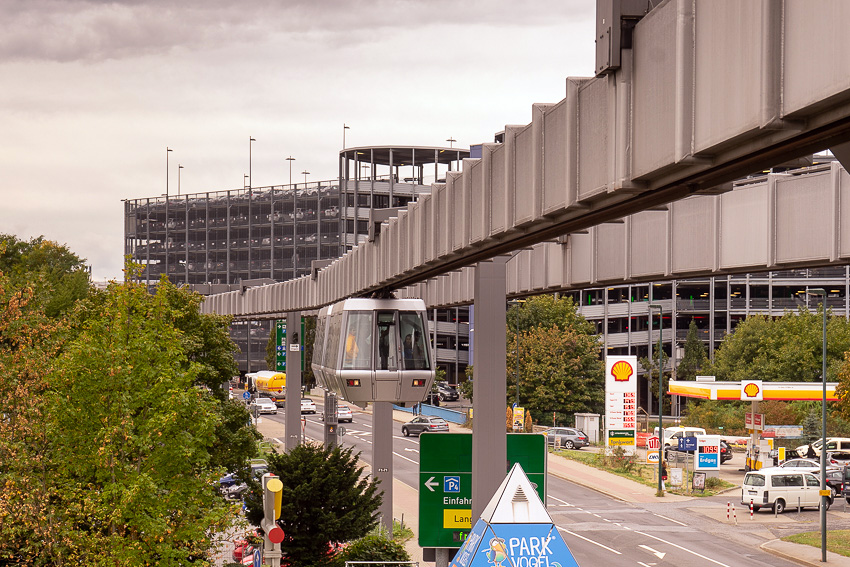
<point>589,423</point>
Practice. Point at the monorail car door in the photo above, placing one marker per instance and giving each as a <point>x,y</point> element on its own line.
<point>387,379</point>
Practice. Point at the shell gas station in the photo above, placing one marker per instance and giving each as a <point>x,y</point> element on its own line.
<point>753,391</point>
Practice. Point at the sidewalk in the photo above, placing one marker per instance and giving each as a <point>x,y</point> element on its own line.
<point>406,498</point>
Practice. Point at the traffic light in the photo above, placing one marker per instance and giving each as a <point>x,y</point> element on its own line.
<point>272,497</point>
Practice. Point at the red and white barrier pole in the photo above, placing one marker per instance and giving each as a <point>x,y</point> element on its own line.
<point>735,514</point>
<point>751,508</point>
<point>728,510</point>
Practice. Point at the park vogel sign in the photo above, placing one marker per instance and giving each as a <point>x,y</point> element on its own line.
<point>515,530</point>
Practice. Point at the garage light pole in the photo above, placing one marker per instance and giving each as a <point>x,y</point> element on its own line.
<point>516,303</point>
<point>652,306</point>
<point>823,490</point>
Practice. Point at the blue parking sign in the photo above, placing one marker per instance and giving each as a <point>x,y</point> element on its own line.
<point>451,484</point>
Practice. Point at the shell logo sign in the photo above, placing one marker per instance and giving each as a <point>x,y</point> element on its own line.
<point>751,391</point>
<point>622,371</point>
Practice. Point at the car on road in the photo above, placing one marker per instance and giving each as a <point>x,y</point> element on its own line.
<point>447,392</point>
<point>567,437</point>
<point>343,414</point>
<point>424,424</point>
<point>725,452</point>
<point>308,405</point>
<point>780,488</point>
<point>264,405</point>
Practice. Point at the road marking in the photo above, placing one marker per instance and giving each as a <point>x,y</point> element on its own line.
<point>405,458</point>
<point>658,554</point>
<point>431,483</point>
<point>563,502</point>
<point>670,519</point>
<point>646,564</point>
<point>589,540</point>
<point>412,450</point>
<point>276,440</point>
<point>682,548</point>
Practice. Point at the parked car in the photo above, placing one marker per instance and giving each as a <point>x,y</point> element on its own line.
<point>308,405</point>
<point>258,468</point>
<point>725,452</point>
<point>835,481</point>
<point>800,464</point>
<point>423,424</point>
<point>447,392</point>
<point>567,437</point>
<point>264,405</point>
<point>832,444</point>
<point>837,458</point>
<point>343,414</point>
<point>779,488</point>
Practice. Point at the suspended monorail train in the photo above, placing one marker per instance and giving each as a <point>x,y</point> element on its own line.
<point>374,350</point>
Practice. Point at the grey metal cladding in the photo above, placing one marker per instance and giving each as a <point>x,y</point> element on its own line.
<point>610,251</point>
<point>694,234</point>
<point>801,210</point>
<point>815,33</point>
<point>654,92</point>
<point>454,212</point>
<point>524,176</point>
<point>727,94</point>
<point>841,180</point>
<point>593,141</point>
<point>498,190</point>
<point>581,258</point>
<point>647,238</point>
<point>475,200</point>
<point>743,231</point>
<point>556,160</point>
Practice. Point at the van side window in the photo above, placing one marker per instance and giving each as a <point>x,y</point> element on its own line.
<point>794,480</point>
<point>778,480</point>
<point>754,480</point>
<point>812,481</point>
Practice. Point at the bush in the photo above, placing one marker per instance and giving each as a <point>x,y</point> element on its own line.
<point>620,461</point>
<point>375,547</point>
<point>713,483</point>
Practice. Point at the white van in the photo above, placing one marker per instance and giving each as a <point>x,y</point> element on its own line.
<point>779,488</point>
<point>672,434</point>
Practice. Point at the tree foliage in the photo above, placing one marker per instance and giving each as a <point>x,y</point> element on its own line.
<point>650,365</point>
<point>787,348</point>
<point>110,439</point>
<point>326,499</point>
<point>375,547</point>
<point>694,358</point>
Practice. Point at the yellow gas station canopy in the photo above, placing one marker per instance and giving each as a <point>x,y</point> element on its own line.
<point>785,391</point>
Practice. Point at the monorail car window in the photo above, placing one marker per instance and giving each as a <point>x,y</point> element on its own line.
<point>319,339</point>
<point>332,350</point>
<point>387,341</point>
<point>414,349</point>
<point>358,341</point>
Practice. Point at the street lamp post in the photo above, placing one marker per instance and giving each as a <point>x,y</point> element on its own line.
<point>344,128</point>
<point>660,384</point>
<point>306,173</point>
<point>251,141</point>
<point>167,171</point>
<point>823,489</point>
<point>179,167</point>
<point>451,141</point>
<point>167,150</point>
<point>290,159</point>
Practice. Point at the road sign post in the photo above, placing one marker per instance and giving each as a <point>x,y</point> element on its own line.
<point>445,482</point>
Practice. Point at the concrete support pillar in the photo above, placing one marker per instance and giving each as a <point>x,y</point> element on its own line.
<point>293,379</point>
<point>489,441</point>
<point>382,458</point>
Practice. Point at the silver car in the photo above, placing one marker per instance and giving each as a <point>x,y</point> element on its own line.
<point>264,405</point>
<point>567,437</point>
<point>424,424</point>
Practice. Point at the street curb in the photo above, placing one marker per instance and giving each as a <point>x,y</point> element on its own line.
<point>769,547</point>
<point>590,486</point>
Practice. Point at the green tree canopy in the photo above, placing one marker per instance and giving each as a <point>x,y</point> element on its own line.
<point>694,359</point>
<point>787,348</point>
<point>326,499</point>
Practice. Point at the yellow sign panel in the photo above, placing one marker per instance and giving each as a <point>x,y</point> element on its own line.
<point>457,519</point>
<point>652,456</point>
<point>620,441</point>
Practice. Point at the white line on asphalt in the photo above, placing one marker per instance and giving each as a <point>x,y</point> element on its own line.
<point>405,458</point>
<point>278,441</point>
<point>563,502</point>
<point>590,540</point>
<point>682,548</point>
<point>671,519</point>
<point>644,564</point>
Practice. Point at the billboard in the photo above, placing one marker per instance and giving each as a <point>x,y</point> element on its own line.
<point>621,402</point>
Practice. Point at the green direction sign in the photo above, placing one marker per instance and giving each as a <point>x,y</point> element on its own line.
<point>445,482</point>
<point>280,345</point>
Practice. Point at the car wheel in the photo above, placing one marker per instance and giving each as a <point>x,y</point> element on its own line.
<point>779,506</point>
<point>847,499</point>
<point>405,432</point>
<point>825,504</point>
<point>569,444</point>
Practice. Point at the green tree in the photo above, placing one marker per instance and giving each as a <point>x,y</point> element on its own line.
<point>58,277</point>
<point>650,365</point>
<point>376,547</point>
<point>784,349</point>
<point>560,370</point>
<point>132,436</point>
<point>326,499</point>
<point>695,358</point>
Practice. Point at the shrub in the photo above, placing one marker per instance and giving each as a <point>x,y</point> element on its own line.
<point>375,547</point>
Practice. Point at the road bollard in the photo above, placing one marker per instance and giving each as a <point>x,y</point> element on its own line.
<point>751,508</point>
<point>735,514</point>
<point>798,505</point>
<point>728,510</point>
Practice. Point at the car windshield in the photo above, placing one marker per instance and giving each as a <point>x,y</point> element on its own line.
<point>438,420</point>
<point>754,480</point>
<point>263,401</point>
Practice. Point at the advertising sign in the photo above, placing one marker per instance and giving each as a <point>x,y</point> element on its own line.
<point>621,401</point>
<point>676,476</point>
<point>708,453</point>
<point>519,419</point>
<point>754,421</point>
<point>653,444</point>
<point>751,391</point>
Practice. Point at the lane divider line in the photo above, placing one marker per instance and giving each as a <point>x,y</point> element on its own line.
<point>682,548</point>
<point>590,540</point>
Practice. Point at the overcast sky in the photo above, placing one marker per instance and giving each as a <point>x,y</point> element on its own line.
<point>93,93</point>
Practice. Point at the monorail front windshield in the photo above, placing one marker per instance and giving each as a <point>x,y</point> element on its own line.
<point>400,345</point>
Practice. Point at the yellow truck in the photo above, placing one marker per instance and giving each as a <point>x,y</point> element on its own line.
<point>270,384</point>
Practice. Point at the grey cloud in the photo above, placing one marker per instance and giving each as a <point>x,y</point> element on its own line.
<point>90,30</point>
